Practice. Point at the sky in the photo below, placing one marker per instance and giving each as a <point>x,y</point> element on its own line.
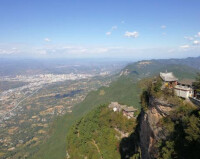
<point>123,29</point>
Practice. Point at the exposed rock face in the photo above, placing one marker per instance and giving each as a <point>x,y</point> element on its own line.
<point>125,72</point>
<point>150,131</point>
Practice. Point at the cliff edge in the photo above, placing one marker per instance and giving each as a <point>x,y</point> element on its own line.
<point>151,131</point>
<point>168,126</point>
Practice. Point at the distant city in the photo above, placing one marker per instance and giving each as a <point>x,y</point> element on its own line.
<point>31,97</point>
<point>33,84</point>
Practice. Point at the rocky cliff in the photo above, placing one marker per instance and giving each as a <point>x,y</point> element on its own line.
<point>150,131</point>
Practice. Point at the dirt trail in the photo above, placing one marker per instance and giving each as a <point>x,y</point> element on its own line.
<point>94,143</point>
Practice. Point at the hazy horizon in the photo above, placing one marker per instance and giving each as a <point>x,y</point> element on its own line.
<point>100,29</point>
<point>80,78</point>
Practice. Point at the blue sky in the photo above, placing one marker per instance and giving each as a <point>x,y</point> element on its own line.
<point>137,29</point>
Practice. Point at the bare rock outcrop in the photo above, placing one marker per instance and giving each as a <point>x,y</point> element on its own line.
<point>150,131</point>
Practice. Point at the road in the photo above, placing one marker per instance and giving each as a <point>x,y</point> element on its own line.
<point>17,105</point>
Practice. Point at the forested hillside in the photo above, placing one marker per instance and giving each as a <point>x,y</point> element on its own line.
<point>125,89</point>
<point>98,135</point>
<point>145,69</point>
<point>190,61</point>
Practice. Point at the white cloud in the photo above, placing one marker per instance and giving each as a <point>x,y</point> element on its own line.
<point>185,46</point>
<point>100,50</point>
<point>163,26</point>
<point>114,27</point>
<point>134,34</point>
<point>41,51</point>
<point>196,42</point>
<point>9,51</point>
<point>47,39</point>
<point>69,50</point>
<point>111,30</point>
<point>189,38</point>
<point>108,33</point>
<point>197,35</point>
<point>93,51</point>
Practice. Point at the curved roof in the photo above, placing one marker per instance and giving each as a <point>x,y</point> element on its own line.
<point>168,77</point>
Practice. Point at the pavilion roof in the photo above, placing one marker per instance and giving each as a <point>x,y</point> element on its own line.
<point>168,77</point>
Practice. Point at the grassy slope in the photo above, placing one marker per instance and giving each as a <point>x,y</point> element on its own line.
<point>125,90</point>
<point>122,90</point>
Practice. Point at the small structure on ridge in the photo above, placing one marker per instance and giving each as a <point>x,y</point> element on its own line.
<point>127,111</point>
<point>184,88</point>
<point>169,79</point>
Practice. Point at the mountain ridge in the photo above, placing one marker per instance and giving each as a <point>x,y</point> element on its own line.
<point>125,89</point>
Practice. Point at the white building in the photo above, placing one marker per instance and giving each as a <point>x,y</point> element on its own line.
<point>127,111</point>
<point>184,89</point>
<point>116,107</point>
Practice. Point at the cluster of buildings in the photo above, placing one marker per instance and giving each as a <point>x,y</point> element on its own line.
<point>48,78</point>
<point>127,111</point>
<point>183,88</point>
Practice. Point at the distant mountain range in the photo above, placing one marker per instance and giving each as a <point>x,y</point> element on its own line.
<point>12,67</point>
<point>190,61</point>
<point>182,68</point>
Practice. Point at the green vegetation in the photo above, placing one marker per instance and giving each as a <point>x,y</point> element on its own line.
<point>27,132</point>
<point>184,139</point>
<point>94,136</point>
<point>197,83</point>
<point>153,89</point>
<point>182,124</point>
<point>123,90</point>
<point>145,69</point>
<point>190,61</point>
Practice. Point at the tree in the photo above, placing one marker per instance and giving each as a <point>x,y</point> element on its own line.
<point>197,83</point>
<point>158,85</point>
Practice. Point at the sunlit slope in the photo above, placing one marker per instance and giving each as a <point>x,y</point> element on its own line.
<point>98,134</point>
<point>125,90</point>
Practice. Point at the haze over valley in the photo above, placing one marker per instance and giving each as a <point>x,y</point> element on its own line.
<point>99,79</point>
<point>29,101</point>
